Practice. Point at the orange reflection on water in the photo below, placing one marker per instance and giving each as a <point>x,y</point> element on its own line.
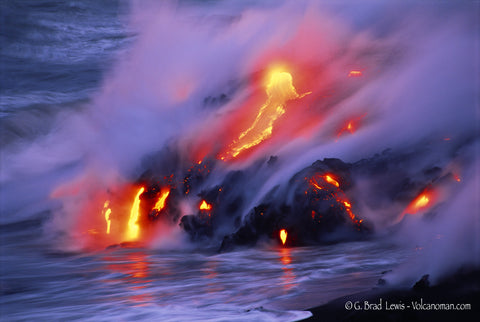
<point>136,270</point>
<point>210,269</point>
<point>210,273</point>
<point>288,275</point>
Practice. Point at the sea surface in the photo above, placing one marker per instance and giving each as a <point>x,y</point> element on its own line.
<point>125,284</point>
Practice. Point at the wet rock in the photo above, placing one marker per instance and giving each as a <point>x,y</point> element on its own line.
<point>312,208</point>
<point>197,227</point>
<point>422,284</point>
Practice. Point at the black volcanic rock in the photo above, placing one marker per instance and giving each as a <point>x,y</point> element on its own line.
<point>197,227</point>
<point>422,284</point>
<point>316,205</point>
<point>461,288</point>
<point>311,207</point>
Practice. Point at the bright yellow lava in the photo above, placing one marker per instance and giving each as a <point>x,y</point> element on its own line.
<point>315,184</point>
<point>421,202</point>
<point>279,90</point>
<point>133,229</point>
<point>355,73</point>
<point>329,179</point>
<point>107,212</point>
<point>164,193</point>
<point>283,236</point>
<point>205,206</point>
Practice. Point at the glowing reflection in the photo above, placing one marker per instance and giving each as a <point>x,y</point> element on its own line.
<point>288,277</point>
<point>210,273</point>
<point>135,269</point>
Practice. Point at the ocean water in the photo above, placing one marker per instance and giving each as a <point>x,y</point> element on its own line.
<point>58,57</point>
<point>123,284</point>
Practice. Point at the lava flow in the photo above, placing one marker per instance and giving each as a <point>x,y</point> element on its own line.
<point>421,203</point>
<point>107,212</point>
<point>331,180</point>
<point>327,178</point>
<point>133,228</point>
<point>283,236</point>
<point>279,90</point>
<point>338,196</point>
<point>355,73</point>
<point>424,201</point>
<point>164,193</point>
<point>205,206</point>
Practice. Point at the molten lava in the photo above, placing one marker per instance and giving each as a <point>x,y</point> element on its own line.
<point>283,236</point>
<point>164,193</point>
<point>339,196</point>
<point>421,203</point>
<point>351,125</point>
<point>348,208</point>
<point>328,178</point>
<point>355,73</point>
<point>331,180</point>
<point>205,206</point>
<point>279,90</point>
<point>133,229</point>
<point>107,212</point>
<point>315,184</point>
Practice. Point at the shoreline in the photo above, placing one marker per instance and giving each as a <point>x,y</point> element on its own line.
<point>455,297</point>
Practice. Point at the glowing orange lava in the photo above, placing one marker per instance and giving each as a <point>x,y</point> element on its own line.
<point>421,203</point>
<point>133,228</point>
<point>205,206</point>
<point>283,236</point>
<point>340,199</point>
<point>107,212</point>
<point>164,193</point>
<point>355,73</point>
<point>350,126</point>
<point>315,184</point>
<point>348,208</point>
<point>279,90</point>
<point>331,180</point>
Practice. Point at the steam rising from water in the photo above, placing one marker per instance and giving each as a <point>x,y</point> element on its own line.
<point>194,78</point>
